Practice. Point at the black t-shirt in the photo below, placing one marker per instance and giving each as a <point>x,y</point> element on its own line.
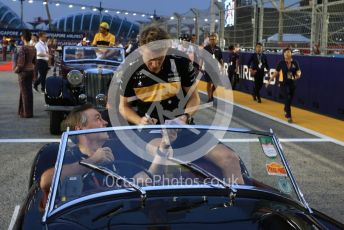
<point>216,51</point>
<point>124,158</point>
<point>73,155</point>
<point>162,93</point>
<point>259,62</point>
<point>288,73</point>
<point>232,62</point>
<point>89,180</point>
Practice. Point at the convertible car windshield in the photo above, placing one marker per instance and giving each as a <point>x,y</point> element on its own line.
<point>96,162</point>
<point>87,53</point>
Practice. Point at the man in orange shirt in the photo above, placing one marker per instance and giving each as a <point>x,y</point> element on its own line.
<point>104,37</point>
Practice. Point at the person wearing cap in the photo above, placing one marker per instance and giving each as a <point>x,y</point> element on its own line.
<point>83,42</point>
<point>104,37</point>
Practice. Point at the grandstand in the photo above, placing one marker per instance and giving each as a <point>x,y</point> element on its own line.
<point>88,22</point>
<point>8,18</point>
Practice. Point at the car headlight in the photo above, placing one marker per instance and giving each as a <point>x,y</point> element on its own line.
<point>74,77</point>
<point>82,98</point>
<point>101,100</point>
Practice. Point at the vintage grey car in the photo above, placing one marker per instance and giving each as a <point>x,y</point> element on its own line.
<point>85,73</point>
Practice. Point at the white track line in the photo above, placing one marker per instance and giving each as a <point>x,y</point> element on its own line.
<point>302,140</point>
<point>222,140</point>
<point>25,140</point>
<point>312,132</point>
<point>14,217</point>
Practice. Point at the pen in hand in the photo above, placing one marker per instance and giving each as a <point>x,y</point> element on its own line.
<point>149,119</point>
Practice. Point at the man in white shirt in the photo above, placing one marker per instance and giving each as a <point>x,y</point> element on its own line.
<point>42,61</point>
<point>33,40</point>
<point>83,42</point>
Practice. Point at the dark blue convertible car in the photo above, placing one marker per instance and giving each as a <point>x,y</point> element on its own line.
<point>178,186</point>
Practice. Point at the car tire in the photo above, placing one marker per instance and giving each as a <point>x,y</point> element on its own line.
<point>56,117</point>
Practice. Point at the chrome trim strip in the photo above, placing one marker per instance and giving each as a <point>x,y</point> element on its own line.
<point>93,60</point>
<point>65,108</point>
<point>138,127</point>
<point>290,174</point>
<point>146,189</point>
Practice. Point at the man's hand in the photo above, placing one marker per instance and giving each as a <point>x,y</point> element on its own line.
<point>298,74</point>
<point>148,121</point>
<point>268,83</point>
<point>253,72</point>
<point>168,137</point>
<point>183,119</point>
<point>102,156</point>
<point>272,77</point>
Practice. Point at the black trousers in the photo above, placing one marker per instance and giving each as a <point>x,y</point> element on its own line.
<point>42,69</point>
<point>25,108</point>
<point>288,91</point>
<point>4,53</point>
<point>233,78</point>
<point>258,83</point>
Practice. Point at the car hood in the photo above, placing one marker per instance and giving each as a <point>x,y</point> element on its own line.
<point>198,209</point>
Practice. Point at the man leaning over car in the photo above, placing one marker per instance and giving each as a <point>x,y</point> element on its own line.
<point>147,85</point>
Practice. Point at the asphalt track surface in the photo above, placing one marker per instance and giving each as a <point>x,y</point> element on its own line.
<point>317,164</point>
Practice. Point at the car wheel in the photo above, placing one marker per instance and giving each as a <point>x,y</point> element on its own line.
<point>56,117</point>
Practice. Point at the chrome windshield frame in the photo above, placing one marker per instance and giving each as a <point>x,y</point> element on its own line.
<point>56,176</point>
<point>93,60</point>
<point>290,174</point>
<point>49,210</point>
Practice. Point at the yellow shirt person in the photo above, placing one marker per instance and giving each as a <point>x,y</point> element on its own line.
<point>104,37</point>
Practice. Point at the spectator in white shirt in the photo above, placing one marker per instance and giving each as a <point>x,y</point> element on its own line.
<point>33,40</point>
<point>83,42</point>
<point>42,66</point>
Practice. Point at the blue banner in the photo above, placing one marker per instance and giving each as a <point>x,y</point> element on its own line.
<point>320,89</point>
<point>15,33</point>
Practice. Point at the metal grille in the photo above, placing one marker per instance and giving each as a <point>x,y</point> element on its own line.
<point>96,82</point>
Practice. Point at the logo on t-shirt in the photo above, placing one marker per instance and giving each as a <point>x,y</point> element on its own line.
<point>172,79</point>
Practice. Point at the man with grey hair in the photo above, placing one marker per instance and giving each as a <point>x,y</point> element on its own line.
<point>90,146</point>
